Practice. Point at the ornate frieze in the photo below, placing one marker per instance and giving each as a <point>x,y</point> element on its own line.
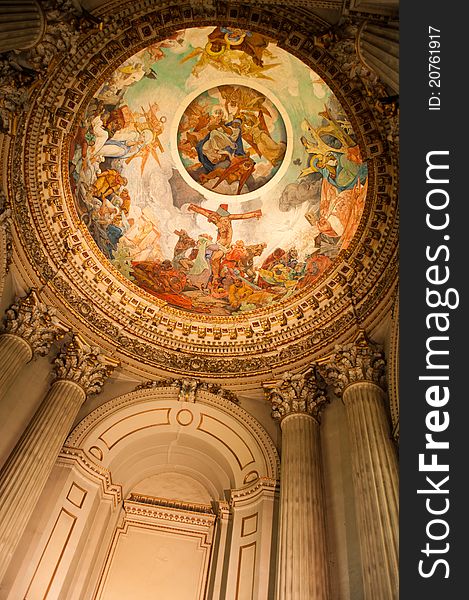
<point>5,227</point>
<point>135,508</point>
<point>361,360</point>
<point>303,392</point>
<point>34,322</point>
<point>84,365</point>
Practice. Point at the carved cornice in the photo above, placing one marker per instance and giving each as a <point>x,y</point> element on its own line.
<point>34,322</point>
<point>168,503</point>
<point>298,393</point>
<point>140,327</point>
<point>76,457</point>
<point>136,508</point>
<point>246,495</point>
<point>223,510</point>
<point>362,360</point>
<point>83,365</point>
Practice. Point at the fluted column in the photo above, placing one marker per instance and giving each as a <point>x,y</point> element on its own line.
<point>79,371</point>
<point>378,49</point>
<point>302,569</point>
<point>29,331</point>
<point>21,24</point>
<point>357,372</point>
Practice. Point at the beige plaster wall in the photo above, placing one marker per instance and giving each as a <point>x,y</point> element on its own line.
<point>148,564</point>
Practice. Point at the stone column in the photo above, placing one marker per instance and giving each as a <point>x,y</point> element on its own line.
<point>378,49</point>
<point>22,24</point>
<point>357,372</point>
<point>29,331</point>
<point>302,562</point>
<point>79,371</point>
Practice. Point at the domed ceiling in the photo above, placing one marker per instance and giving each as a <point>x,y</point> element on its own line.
<point>217,172</point>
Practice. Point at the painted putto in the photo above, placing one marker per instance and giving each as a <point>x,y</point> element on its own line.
<point>217,172</point>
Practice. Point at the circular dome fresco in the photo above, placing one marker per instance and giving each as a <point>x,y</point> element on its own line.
<point>217,172</point>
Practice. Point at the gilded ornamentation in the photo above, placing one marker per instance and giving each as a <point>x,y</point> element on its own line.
<point>5,226</point>
<point>361,360</point>
<point>299,393</point>
<point>160,383</point>
<point>188,388</point>
<point>84,365</point>
<point>213,388</point>
<point>34,322</point>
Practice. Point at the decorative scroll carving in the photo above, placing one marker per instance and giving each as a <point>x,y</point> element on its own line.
<point>362,360</point>
<point>188,388</point>
<point>84,365</point>
<point>217,390</point>
<point>160,383</point>
<point>299,393</point>
<point>34,322</point>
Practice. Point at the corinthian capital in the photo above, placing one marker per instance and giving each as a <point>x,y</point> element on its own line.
<point>362,360</point>
<point>84,365</point>
<point>298,393</point>
<point>34,322</point>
